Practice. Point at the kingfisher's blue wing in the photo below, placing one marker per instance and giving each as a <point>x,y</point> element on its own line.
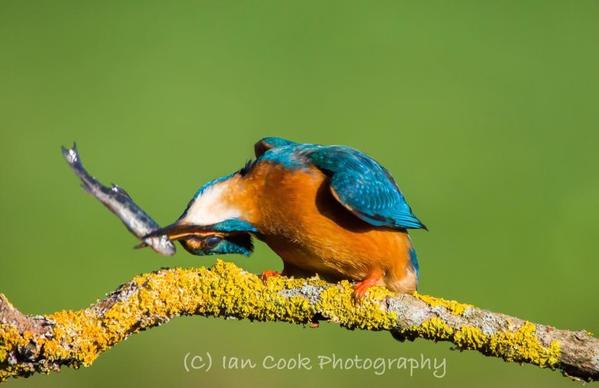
<point>364,187</point>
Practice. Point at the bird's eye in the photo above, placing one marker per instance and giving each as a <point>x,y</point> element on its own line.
<point>211,242</point>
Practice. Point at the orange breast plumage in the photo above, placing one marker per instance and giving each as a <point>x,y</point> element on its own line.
<point>301,220</point>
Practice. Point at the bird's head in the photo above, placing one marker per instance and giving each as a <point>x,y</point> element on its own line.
<point>204,240</point>
<point>213,222</point>
<point>218,243</point>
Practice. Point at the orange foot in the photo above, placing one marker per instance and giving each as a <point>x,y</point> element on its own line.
<point>361,287</point>
<point>267,274</point>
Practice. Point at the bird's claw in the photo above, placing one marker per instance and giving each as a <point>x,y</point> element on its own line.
<point>360,288</point>
<point>268,274</point>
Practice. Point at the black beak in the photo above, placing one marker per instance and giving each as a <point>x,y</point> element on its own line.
<point>178,231</point>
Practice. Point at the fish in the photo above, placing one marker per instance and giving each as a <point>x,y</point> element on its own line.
<point>119,202</point>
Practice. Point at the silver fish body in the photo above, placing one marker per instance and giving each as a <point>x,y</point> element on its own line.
<point>122,205</point>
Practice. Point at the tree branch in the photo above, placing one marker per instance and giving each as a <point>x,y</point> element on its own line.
<point>30,344</point>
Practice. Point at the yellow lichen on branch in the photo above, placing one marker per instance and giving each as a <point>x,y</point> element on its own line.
<point>452,305</point>
<point>30,344</point>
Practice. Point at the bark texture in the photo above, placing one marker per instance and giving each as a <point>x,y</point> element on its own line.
<point>44,343</point>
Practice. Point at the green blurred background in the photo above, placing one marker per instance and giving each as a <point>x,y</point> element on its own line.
<point>485,112</point>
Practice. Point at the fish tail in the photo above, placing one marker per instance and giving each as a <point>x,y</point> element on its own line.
<point>71,155</point>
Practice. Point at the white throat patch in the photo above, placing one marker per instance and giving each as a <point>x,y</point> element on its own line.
<point>211,207</point>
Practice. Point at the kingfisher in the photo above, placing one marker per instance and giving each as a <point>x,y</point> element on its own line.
<point>330,211</point>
